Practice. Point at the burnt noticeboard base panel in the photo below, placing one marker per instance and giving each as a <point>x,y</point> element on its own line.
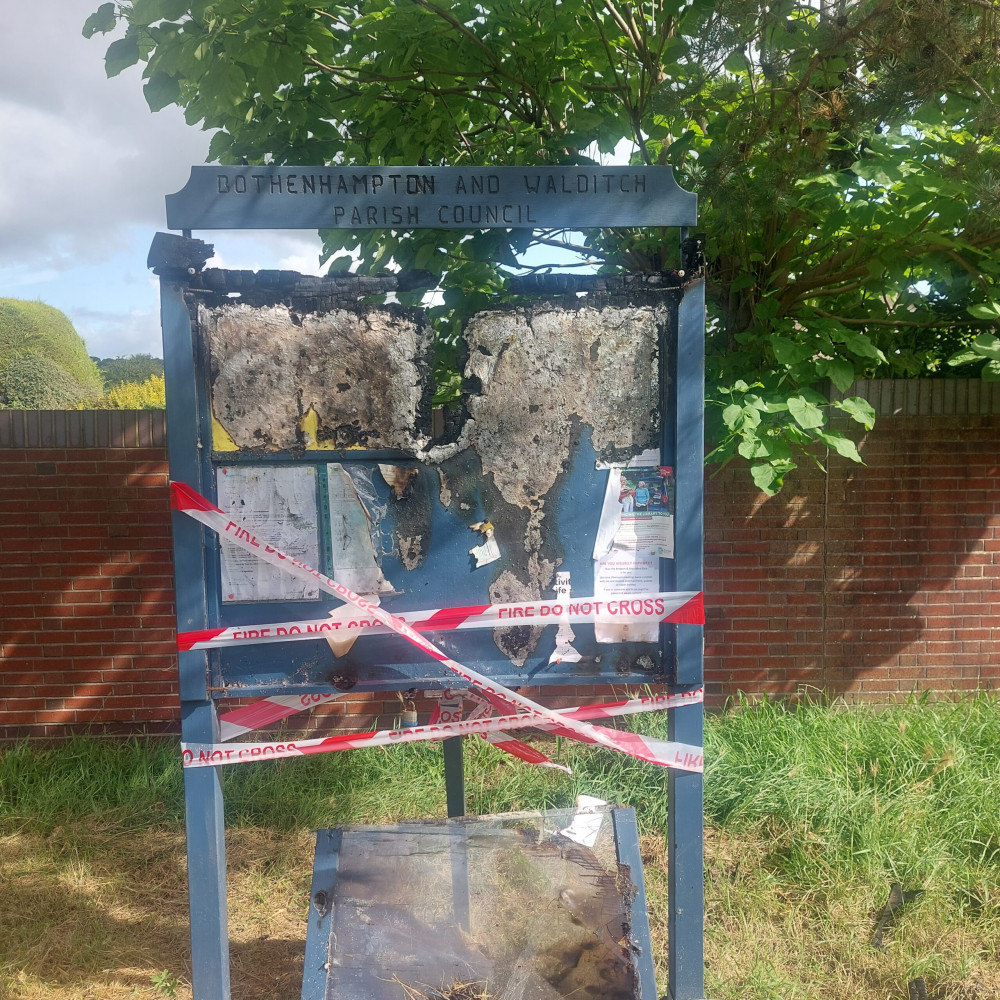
<point>472,909</point>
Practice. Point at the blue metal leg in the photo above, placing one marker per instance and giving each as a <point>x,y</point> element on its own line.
<point>188,428</point>
<point>685,831</point>
<point>454,776</point>
<point>454,783</point>
<point>685,862</point>
<point>206,851</point>
<point>317,961</point>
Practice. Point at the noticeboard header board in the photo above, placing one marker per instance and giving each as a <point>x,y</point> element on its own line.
<point>269,197</point>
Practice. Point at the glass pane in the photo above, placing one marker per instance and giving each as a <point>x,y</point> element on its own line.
<point>489,908</point>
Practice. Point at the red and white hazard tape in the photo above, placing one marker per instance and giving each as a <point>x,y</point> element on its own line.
<point>661,752</point>
<point>684,607</point>
<point>262,713</point>
<point>449,709</point>
<point>685,756</point>
<point>513,746</point>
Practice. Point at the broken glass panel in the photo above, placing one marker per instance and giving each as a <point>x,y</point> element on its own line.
<point>523,906</point>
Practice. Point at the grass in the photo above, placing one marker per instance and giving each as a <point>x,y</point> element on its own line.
<point>812,812</point>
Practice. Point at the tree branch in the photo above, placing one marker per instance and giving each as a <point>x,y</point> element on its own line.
<point>903,323</point>
<point>551,241</point>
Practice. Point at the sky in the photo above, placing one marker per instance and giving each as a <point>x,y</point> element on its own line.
<point>84,169</point>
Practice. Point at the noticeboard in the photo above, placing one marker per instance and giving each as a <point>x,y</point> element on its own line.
<point>571,471</point>
<point>548,495</point>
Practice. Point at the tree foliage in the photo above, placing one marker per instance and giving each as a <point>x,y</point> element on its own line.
<point>30,382</point>
<point>42,330</point>
<point>135,368</point>
<point>845,153</point>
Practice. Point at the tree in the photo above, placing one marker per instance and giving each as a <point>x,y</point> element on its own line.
<point>43,360</point>
<point>845,153</point>
<point>135,368</point>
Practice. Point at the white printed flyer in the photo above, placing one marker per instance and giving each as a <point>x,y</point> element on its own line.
<point>636,530</point>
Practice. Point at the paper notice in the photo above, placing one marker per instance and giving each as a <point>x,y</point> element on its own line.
<point>354,561</point>
<point>279,502</point>
<point>636,530</point>
<point>564,651</point>
<point>489,551</point>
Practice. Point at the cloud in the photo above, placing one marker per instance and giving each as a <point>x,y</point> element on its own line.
<point>253,250</point>
<point>82,156</point>
<point>86,166</point>
<point>112,334</point>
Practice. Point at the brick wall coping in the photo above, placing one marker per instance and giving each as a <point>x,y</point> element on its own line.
<point>147,428</point>
<point>83,429</point>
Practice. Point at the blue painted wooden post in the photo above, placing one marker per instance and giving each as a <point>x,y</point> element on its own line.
<point>203,801</point>
<point>320,921</point>
<point>685,859</point>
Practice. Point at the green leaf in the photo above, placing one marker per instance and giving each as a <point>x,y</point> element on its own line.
<point>340,265</point>
<point>752,446</point>
<point>150,11</point>
<point>838,371</point>
<point>736,63</point>
<point>963,357</point>
<point>161,89</point>
<point>102,20</point>
<point>987,346</point>
<point>767,308</point>
<point>841,444</point>
<point>121,54</point>
<point>991,371</point>
<point>173,10</point>
<point>424,256</point>
<point>766,477</point>
<point>751,416</point>
<point>220,144</point>
<point>861,345</point>
<point>788,352</point>
<point>858,409</point>
<point>985,310</point>
<point>674,49</point>
<point>732,415</point>
<point>807,415</point>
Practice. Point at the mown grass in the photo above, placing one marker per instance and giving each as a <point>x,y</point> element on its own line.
<point>811,811</point>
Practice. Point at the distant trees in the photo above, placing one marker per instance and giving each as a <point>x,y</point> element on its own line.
<point>150,394</point>
<point>136,368</point>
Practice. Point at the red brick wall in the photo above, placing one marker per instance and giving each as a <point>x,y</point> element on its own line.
<point>86,591</point>
<point>870,582</point>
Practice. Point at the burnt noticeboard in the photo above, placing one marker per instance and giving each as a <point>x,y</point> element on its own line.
<point>305,403</point>
<point>318,406</point>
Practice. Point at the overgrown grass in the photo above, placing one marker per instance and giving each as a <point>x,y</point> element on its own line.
<point>905,793</point>
<point>812,811</point>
